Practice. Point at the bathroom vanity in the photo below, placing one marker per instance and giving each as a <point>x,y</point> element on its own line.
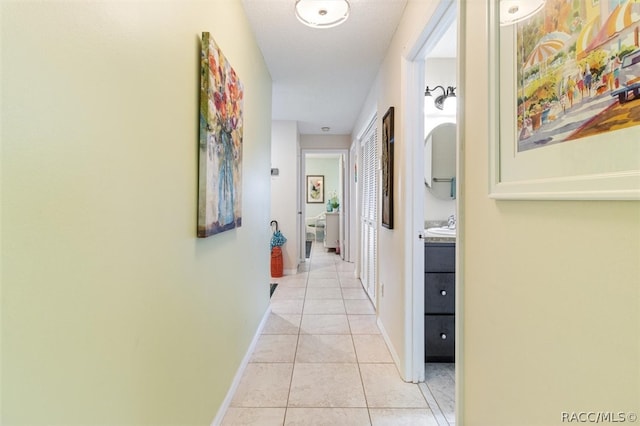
<point>439,299</point>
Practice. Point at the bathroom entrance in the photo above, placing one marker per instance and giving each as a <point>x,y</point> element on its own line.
<point>432,92</point>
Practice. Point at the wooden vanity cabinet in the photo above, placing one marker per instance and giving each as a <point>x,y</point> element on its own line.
<point>439,301</point>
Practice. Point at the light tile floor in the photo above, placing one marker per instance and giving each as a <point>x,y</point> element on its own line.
<point>321,360</point>
<point>439,389</point>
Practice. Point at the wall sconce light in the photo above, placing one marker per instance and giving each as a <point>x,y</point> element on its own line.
<point>322,13</point>
<point>512,11</point>
<point>449,92</point>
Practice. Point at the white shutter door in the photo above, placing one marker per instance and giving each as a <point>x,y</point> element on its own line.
<point>369,210</point>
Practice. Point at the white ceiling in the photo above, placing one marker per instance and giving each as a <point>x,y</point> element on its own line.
<point>321,77</point>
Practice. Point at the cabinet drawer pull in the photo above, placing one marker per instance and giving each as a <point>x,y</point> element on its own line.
<point>443,292</point>
<point>443,336</point>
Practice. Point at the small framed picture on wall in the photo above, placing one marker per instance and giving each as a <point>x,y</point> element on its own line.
<point>315,189</point>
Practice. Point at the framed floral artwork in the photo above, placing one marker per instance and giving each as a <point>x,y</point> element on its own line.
<point>220,142</point>
<point>315,189</point>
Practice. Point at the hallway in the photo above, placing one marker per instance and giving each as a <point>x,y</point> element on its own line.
<point>321,359</point>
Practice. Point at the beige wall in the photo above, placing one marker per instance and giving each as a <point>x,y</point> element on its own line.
<point>285,154</point>
<point>322,142</point>
<point>112,311</point>
<point>386,92</point>
<point>551,291</point>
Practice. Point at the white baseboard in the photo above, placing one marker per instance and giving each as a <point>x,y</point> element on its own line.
<point>392,349</point>
<point>243,365</point>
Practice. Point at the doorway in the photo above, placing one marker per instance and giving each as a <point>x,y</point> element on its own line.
<point>431,51</point>
<point>323,215</point>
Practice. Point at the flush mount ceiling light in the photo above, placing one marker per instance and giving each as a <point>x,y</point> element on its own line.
<point>449,92</point>
<point>512,11</point>
<point>322,13</point>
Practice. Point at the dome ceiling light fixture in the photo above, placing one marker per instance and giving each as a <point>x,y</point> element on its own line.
<point>513,11</point>
<point>322,13</point>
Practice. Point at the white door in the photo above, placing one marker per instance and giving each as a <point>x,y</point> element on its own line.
<point>369,211</point>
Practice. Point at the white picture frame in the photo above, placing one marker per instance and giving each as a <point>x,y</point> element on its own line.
<point>601,167</point>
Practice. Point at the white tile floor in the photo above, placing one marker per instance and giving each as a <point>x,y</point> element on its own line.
<point>321,360</point>
<point>439,389</point>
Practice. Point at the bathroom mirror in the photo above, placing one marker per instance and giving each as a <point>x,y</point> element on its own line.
<point>440,161</point>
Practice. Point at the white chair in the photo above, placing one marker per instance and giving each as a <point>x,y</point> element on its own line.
<point>315,226</point>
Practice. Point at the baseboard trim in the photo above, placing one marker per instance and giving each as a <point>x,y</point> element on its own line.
<point>243,366</point>
<point>392,349</point>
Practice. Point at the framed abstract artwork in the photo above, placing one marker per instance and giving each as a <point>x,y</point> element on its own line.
<point>387,169</point>
<point>565,102</point>
<point>220,142</point>
<point>315,189</point>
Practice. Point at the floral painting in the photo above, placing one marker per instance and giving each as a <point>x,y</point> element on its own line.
<point>220,168</point>
<point>315,189</point>
<point>578,71</point>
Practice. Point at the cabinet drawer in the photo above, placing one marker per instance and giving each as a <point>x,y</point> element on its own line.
<point>440,338</point>
<point>440,293</point>
<point>439,257</point>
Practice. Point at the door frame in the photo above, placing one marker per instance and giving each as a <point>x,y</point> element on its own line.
<point>414,125</point>
<point>345,205</point>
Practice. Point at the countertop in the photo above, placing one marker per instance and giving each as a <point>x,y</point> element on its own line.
<point>439,238</point>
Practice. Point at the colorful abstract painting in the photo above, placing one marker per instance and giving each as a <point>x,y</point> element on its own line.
<point>220,169</point>
<point>578,71</point>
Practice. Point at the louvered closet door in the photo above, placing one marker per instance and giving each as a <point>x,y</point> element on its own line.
<point>368,218</point>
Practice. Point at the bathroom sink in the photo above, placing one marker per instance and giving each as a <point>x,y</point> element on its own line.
<point>443,231</point>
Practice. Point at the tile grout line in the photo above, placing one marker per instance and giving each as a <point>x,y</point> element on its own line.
<point>437,400</point>
<point>295,353</point>
<point>364,392</point>
<point>320,266</point>
<point>433,404</point>
<point>355,352</point>
<point>299,334</point>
